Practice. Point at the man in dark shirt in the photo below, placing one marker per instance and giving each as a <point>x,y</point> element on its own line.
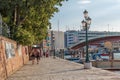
<point>35,54</point>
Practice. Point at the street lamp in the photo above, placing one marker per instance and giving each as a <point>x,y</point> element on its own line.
<point>53,44</point>
<point>86,25</point>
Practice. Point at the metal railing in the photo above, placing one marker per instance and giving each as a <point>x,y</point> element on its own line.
<point>4,29</point>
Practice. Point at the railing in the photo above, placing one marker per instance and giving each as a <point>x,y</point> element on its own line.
<point>4,29</point>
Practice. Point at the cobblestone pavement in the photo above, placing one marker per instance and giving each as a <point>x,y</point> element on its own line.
<point>59,69</point>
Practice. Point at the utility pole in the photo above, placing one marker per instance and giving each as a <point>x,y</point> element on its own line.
<point>58,36</point>
<point>108,29</point>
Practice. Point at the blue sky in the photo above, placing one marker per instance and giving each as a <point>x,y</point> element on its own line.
<point>105,15</point>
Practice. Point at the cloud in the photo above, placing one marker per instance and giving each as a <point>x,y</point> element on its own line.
<point>84,2</point>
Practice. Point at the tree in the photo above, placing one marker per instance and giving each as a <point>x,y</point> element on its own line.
<point>28,19</point>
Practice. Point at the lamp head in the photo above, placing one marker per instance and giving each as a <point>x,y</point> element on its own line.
<point>88,20</point>
<point>85,14</point>
<point>83,23</point>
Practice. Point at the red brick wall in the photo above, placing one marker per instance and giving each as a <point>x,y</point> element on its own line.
<point>10,64</point>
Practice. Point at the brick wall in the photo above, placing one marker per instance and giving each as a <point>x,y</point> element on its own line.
<point>12,57</point>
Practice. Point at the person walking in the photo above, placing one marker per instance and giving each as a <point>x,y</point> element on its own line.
<point>47,53</point>
<point>35,54</point>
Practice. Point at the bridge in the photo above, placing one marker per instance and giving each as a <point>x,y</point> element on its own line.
<point>97,41</point>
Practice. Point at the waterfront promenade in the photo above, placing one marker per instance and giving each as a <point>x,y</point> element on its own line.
<point>59,69</point>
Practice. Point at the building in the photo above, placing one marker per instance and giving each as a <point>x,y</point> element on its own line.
<point>54,40</point>
<point>57,40</point>
<point>116,45</point>
<point>61,40</point>
<point>46,43</point>
<point>72,37</point>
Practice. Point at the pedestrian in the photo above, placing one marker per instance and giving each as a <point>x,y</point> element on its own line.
<point>35,54</point>
<point>47,53</point>
<point>44,54</point>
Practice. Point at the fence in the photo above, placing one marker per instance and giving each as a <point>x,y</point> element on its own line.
<point>4,29</point>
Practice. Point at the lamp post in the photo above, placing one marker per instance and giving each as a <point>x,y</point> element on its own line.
<point>54,51</point>
<point>53,44</point>
<point>86,25</point>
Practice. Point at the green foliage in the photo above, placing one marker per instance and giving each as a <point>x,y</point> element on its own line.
<point>29,19</point>
<point>24,36</point>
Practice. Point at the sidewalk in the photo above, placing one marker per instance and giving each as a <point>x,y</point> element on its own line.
<point>59,69</point>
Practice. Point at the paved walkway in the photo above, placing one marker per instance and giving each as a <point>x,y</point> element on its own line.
<point>59,69</point>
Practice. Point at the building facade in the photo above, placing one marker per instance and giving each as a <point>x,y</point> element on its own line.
<point>72,37</point>
<point>57,39</point>
<point>116,45</point>
<point>60,40</point>
<point>46,43</point>
<point>54,40</point>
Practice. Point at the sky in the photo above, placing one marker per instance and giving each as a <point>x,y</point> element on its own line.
<point>105,15</point>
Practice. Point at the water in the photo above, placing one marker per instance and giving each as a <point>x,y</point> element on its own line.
<point>116,57</point>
